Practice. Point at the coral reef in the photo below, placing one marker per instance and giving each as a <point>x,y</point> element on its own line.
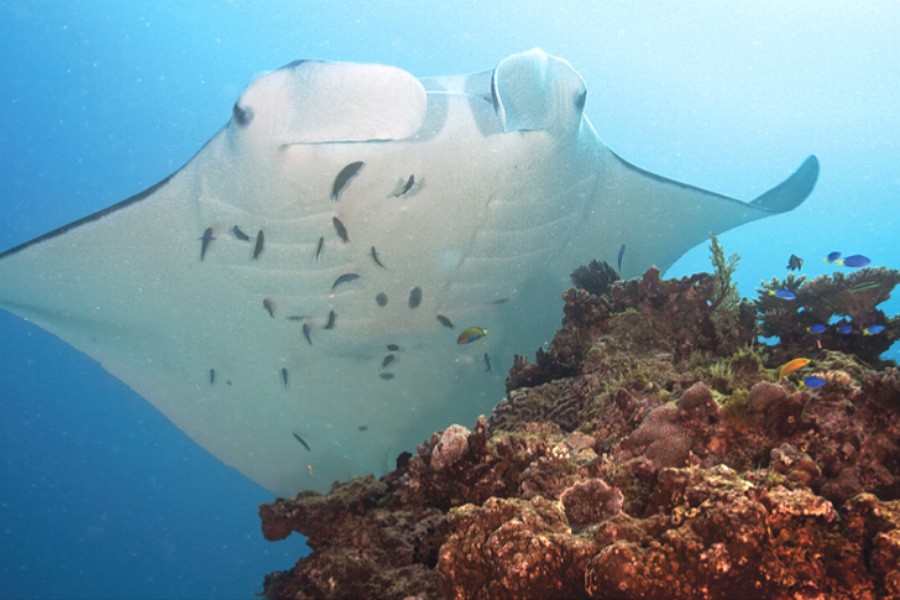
<point>596,277</point>
<point>651,451</point>
<point>845,305</point>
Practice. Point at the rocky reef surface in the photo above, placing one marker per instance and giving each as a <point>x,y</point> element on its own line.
<point>651,451</point>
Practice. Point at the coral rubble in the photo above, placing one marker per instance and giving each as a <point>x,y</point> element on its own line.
<point>651,451</point>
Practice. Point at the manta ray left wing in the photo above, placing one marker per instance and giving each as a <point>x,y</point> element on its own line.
<point>293,297</point>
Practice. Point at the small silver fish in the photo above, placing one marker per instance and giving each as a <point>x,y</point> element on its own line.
<point>344,177</point>
<point>331,318</point>
<point>205,241</point>
<point>260,241</point>
<point>301,440</point>
<point>237,233</point>
<point>415,297</point>
<point>340,229</point>
<point>269,305</point>
<point>374,254</point>
<point>445,321</point>
<point>404,187</point>
<point>346,277</point>
<point>319,248</point>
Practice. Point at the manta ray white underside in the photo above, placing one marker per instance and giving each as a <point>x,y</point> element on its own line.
<point>286,298</point>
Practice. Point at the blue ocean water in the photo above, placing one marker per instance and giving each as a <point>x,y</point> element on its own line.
<point>100,496</point>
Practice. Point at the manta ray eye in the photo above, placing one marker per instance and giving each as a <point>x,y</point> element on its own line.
<point>242,116</point>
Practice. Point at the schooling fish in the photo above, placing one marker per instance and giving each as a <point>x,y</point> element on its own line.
<point>386,376</point>
<point>817,329</point>
<point>415,297</point>
<point>619,259</point>
<point>331,318</point>
<point>832,256</point>
<point>260,241</point>
<point>445,321</point>
<point>344,177</point>
<point>487,362</point>
<point>784,294</point>
<point>873,330</point>
<point>855,261</point>
<point>795,263</point>
<point>390,358</point>
<point>319,248</point>
<point>791,366</point>
<point>269,305</point>
<point>845,329</point>
<point>212,376</point>
<point>205,240</point>
<point>374,254</point>
<point>284,377</point>
<point>306,333</point>
<point>404,187</point>
<point>301,440</point>
<point>340,229</point>
<point>344,279</point>
<point>393,347</point>
<point>238,234</point>
<point>470,334</point>
<point>381,299</point>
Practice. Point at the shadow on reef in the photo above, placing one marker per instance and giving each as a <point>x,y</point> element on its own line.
<point>654,450</point>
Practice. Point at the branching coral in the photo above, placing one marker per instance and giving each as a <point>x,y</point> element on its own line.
<point>829,312</point>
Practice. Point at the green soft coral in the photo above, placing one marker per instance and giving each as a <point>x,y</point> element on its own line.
<point>725,293</point>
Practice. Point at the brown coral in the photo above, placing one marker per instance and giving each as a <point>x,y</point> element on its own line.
<point>646,453</point>
<point>851,299</point>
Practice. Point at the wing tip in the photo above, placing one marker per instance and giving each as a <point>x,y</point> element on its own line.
<point>791,192</point>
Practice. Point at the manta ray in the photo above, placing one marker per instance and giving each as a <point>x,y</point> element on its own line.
<point>353,260</point>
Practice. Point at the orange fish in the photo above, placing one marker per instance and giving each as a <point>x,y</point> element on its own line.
<point>791,366</point>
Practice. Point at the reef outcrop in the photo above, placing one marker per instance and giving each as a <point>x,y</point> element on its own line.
<point>650,451</point>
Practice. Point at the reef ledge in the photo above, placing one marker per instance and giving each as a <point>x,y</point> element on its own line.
<point>651,451</point>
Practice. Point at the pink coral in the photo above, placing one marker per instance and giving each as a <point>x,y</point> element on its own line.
<point>452,446</point>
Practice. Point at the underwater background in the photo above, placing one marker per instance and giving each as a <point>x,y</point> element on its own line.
<point>102,497</point>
